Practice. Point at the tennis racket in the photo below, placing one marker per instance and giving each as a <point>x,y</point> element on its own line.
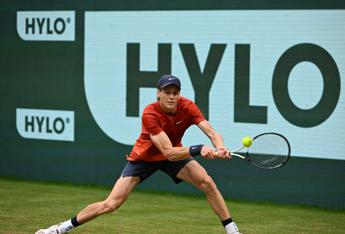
<point>268,150</point>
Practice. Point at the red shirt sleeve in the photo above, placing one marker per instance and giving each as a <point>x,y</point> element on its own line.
<point>196,114</point>
<point>151,124</point>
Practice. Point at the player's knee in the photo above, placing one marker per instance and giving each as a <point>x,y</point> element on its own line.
<point>112,205</point>
<point>207,184</point>
<point>109,206</point>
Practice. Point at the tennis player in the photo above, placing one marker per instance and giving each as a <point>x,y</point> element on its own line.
<point>159,148</point>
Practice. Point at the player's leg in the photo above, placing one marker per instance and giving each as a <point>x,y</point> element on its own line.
<point>119,193</point>
<point>133,174</point>
<point>196,175</point>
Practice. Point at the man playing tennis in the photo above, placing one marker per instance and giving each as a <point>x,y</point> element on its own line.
<point>159,148</point>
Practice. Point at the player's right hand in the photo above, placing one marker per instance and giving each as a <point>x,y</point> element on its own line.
<point>208,152</point>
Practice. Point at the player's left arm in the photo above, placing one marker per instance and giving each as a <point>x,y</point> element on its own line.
<point>215,138</point>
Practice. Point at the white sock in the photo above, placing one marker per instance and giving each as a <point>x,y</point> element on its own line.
<point>231,228</point>
<point>66,226</point>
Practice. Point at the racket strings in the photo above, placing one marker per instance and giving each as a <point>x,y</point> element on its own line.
<point>269,151</point>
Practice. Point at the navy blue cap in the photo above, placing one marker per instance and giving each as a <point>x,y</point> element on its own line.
<point>166,80</point>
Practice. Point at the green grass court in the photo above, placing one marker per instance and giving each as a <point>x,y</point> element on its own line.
<point>26,206</point>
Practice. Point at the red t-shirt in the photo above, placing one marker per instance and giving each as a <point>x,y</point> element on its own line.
<point>155,120</point>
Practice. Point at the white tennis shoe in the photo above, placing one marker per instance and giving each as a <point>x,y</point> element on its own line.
<point>55,229</point>
<point>231,228</point>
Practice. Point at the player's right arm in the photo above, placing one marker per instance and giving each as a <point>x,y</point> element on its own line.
<point>163,143</point>
<point>152,126</point>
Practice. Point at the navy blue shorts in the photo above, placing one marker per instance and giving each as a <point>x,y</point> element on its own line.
<point>143,169</point>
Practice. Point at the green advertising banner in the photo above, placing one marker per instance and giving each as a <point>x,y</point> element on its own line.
<point>75,77</point>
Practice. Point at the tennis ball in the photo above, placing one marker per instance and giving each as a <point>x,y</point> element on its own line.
<point>247,141</point>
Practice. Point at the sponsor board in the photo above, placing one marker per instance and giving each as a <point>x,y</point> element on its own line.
<point>249,72</point>
<point>46,25</point>
<point>45,124</point>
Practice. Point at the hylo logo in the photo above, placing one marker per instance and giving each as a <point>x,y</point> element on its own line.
<point>243,69</point>
<point>46,25</point>
<point>45,124</point>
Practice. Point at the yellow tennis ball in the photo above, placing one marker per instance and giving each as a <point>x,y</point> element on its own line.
<point>247,141</point>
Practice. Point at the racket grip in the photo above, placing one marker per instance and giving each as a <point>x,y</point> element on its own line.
<point>238,155</point>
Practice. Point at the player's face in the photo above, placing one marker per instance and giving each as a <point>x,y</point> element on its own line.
<point>168,98</point>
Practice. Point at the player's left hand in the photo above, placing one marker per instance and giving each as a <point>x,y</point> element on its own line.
<point>223,153</point>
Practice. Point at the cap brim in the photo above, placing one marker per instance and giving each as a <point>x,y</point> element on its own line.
<point>170,83</point>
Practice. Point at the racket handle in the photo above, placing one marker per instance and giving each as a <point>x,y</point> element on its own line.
<point>238,155</point>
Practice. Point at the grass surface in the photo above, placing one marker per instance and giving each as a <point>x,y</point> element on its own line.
<point>26,206</point>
